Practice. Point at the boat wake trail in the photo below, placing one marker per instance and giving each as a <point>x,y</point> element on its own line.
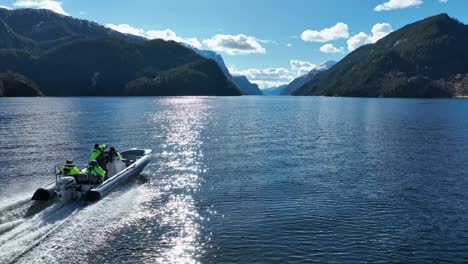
<point>15,213</point>
<point>14,209</point>
<point>14,204</point>
<point>21,235</point>
<point>56,233</point>
<point>10,225</point>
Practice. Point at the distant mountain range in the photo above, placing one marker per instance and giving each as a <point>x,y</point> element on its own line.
<point>300,81</point>
<point>45,53</point>
<point>295,84</point>
<point>274,90</point>
<point>64,56</point>
<point>245,86</point>
<point>428,58</point>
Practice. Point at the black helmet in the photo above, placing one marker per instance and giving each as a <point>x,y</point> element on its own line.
<point>112,149</point>
<point>96,145</point>
<point>69,162</point>
<point>93,163</point>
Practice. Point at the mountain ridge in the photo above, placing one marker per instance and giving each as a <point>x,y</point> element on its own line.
<point>246,87</point>
<point>301,80</point>
<point>419,60</point>
<point>274,90</point>
<point>57,51</point>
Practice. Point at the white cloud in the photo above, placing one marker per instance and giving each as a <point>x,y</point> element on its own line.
<point>235,44</point>
<point>6,7</point>
<point>171,35</point>
<point>267,77</point>
<point>340,30</point>
<point>300,68</point>
<point>268,41</point>
<point>329,48</point>
<point>288,45</point>
<point>379,31</point>
<point>271,77</point>
<point>232,45</point>
<point>154,34</point>
<point>127,29</point>
<point>443,1</point>
<point>358,40</point>
<point>397,4</point>
<point>55,6</point>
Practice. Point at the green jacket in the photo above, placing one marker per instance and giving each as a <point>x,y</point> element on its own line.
<point>95,152</point>
<point>95,170</point>
<point>68,170</point>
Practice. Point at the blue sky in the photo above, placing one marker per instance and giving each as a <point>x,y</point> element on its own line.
<point>270,41</point>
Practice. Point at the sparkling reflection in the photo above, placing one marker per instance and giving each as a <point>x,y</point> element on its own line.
<point>180,167</point>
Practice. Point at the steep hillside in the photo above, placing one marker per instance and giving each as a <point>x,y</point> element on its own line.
<point>419,60</point>
<point>71,57</point>
<point>47,29</point>
<point>17,85</point>
<point>209,54</point>
<point>246,87</point>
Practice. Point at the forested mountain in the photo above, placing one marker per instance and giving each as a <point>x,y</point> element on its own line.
<point>423,59</point>
<point>65,56</point>
<point>14,85</point>
<point>246,87</point>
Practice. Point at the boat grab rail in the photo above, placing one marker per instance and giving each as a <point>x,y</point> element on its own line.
<point>57,173</point>
<point>111,179</point>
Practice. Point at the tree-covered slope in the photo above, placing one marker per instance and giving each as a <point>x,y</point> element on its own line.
<point>48,29</point>
<point>200,77</point>
<point>419,60</point>
<point>71,57</point>
<point>17,85</point>
<point>108,67</point>
<point>246,87</point>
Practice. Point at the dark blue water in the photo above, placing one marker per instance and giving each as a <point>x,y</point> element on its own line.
<point>243,180</point>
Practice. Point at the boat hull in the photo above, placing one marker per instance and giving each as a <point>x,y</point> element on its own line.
<point>130,172</point>
<point>141,158</point>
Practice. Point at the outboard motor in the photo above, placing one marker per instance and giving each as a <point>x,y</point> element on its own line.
<point>66,189</point>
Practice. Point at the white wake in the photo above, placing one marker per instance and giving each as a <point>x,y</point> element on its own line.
<point>61,232</point>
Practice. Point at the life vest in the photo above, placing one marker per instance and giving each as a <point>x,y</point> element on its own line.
<point>95,152</point>
<point>69,170</point>
<point>95,171</point>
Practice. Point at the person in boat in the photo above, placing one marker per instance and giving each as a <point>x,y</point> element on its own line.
<point>98,154</point>
<point>97,151</point>
<point>96,171</point>
<point>69,169</point>
<point>114,154</point>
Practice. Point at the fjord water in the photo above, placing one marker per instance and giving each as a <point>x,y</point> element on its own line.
<point>242,180</point>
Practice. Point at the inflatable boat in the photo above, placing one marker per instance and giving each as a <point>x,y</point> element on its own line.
<point>84,187</point>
